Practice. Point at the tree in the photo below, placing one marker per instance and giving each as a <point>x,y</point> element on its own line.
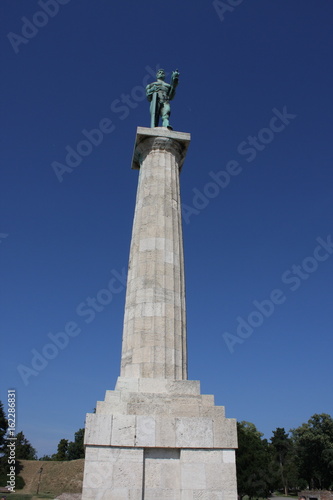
<point>23,449</point>
<point>314,446</point>
<point>3,446</point>
<point>283,455</point>
<point>71,450</point>
<point>76,448</point>
<point>254,477</point>
<point>47,458</point>
<point>3,429</point>
<point>62,453</point>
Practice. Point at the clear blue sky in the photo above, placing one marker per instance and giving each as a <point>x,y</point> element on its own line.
<point>255,93</point>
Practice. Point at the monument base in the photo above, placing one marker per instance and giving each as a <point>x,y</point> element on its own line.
<point>159,439</point>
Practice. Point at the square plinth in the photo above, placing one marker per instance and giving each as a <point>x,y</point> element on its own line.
<point>157,438</point>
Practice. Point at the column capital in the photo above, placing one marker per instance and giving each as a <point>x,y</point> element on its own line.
<point>159,138</point>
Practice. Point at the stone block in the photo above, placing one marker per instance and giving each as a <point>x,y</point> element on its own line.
<point>161,494</point>
<point>119,494</point>
<point>123,430</point>
<point>186,494</point>
<point>112,397</point>
<point>208,400</point>
<point>194,433</point>
<point>183,387</point>
<point>202,456</point>
<point>119,476</point>
<point>183,409</point>
<point>229,456</point>
<point>225,433</point>
<point>165,432</point>
<point>228,474</point>
<point>98,429</point>
<point>98,475</point>
<point>155,385</point>
<point>214,478</point>
<point>127,473</point>
<point>92,453</point>
<point>208,495</point>
<point>193,476</point>
<point>107,454</point>
<point>145,431</point>
<point>162,471</point>
<point>111,408</point>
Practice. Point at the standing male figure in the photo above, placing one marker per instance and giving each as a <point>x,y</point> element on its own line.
<point>159,94</point>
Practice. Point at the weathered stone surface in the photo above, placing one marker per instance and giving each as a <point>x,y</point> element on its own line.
<point>123,430</point>
<point>161,420</point>
<point>156,436</point>
<point>194,432</point>
<point>98,429</point>
<point>119,476</point>
<point>154,335</point>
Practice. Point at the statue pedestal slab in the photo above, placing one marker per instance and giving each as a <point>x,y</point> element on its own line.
<point>159,439</point>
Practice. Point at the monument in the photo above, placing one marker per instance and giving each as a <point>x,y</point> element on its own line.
<point>156,436</point>
<point>160,93</point>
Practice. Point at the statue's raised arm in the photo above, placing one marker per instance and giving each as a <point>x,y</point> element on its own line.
<point>173,83</point>
<point>159,94</point>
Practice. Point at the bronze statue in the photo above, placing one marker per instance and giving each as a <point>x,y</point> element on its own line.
<point>159,94</point>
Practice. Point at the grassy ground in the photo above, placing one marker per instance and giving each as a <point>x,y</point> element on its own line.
<point>56,478</point>
<point>25,496</point>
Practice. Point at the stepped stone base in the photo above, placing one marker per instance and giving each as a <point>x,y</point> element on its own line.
<point>159,439</point>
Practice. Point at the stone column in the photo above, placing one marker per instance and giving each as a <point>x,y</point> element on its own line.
<point>154,336</point>
<point>156,435</point>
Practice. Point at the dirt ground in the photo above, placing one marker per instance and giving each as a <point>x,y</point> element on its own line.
<point>56,477</point>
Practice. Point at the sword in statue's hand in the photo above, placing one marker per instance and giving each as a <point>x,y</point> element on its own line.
<point>154,108</point>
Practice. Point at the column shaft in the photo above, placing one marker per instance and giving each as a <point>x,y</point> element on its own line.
<point>154,335</point>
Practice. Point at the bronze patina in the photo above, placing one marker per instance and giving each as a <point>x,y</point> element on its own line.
<point>159,94</point>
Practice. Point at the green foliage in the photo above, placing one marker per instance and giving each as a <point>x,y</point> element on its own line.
<point>24,450</point>
<point>72,450</point>
<point>303,460</point>
<point>47,458</point>
<point>314,447</point>
<point>62,450</point>
<point>3,472</point>
<point>19,483</point>
<point>3,444</point>
<point>3,428</point>
<point>284,460</point>
<point>254,477</point>
<point>76,448</point>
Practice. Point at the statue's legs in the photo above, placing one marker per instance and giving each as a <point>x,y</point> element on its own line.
<point>165,114</point>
